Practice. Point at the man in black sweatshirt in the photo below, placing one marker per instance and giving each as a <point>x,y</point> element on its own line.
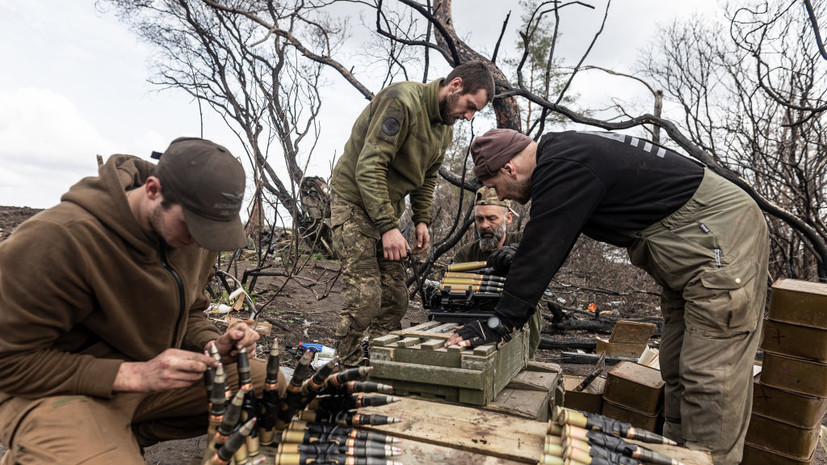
<point>702,238</point>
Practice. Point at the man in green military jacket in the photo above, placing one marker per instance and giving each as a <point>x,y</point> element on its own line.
<point>395,150</point>
<point>492,217</point>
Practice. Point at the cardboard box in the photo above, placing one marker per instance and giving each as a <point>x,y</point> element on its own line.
<point>262,327</point>
<point>618,349</point>
<point>628,339</point>
<point>631,332</point>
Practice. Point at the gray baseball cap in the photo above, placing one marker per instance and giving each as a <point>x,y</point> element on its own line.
<point>208,181</point>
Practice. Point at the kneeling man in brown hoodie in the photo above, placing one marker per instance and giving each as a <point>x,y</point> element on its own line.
<point>102,301</point>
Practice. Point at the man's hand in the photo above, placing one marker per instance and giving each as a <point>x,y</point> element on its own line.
<point>171,369</point>
<point>233,339</point>
<point>394,246</point>
<point>502,258</point>
<point>423,238</point>
<point>478,332</point>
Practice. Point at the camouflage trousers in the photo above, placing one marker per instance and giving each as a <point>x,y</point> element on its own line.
<point>374,291</point>
<point>711,258</point>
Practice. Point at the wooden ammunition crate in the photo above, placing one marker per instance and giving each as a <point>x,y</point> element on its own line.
<point>415,362</point>
<point>533,393</point>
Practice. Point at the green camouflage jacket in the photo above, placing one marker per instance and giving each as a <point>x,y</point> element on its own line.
<point>395,148</point>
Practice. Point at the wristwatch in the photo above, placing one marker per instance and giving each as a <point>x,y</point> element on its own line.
<point>495,325</point>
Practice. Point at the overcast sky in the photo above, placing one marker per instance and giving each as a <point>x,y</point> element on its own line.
<point>73,84</point>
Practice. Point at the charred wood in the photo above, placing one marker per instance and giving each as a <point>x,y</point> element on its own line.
<point>566,342</point>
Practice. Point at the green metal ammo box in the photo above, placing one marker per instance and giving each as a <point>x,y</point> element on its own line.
<point>415,362</point>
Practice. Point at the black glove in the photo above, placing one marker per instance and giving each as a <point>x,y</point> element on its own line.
<point>479,332</point>
<point>501,259</point>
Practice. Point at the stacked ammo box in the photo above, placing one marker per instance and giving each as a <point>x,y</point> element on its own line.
<point>642,409</point>
<point>588,400</point>
<point>789,398</point>
<point>634,394</point>
<point>415,362</point>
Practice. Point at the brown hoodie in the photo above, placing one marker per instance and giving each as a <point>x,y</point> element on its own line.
<point>84,288</point>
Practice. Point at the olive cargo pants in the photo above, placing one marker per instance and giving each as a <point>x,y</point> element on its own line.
<point>374,291</point>
<point>711,258</point>
<point>69,430</point>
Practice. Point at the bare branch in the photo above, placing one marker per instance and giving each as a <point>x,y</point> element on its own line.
<point>500,38</point>
<point>327,61</point>
<point>816,31</point>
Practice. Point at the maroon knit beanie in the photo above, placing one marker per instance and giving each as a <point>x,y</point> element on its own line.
<point>494,149</point>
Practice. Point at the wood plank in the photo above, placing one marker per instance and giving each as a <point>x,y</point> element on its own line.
<point>409,342</point>
<point>443,376</point>
<point>444,328</point>
<point>431,345</point>
<point>413,453</point>
<point>424,334</point>
<point>439,356</point>
<point>464,428</point>
<point>423,453</point>
<point>688,457</point>
<point>385,340</point>
<point>422,326</point>
<point>483,433</point>
<point>484,350</point>
<point>478,362</point>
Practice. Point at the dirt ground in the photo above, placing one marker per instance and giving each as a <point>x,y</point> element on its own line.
<point>304,309</point>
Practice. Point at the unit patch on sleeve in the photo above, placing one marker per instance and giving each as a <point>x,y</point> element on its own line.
<point>390,126</point>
